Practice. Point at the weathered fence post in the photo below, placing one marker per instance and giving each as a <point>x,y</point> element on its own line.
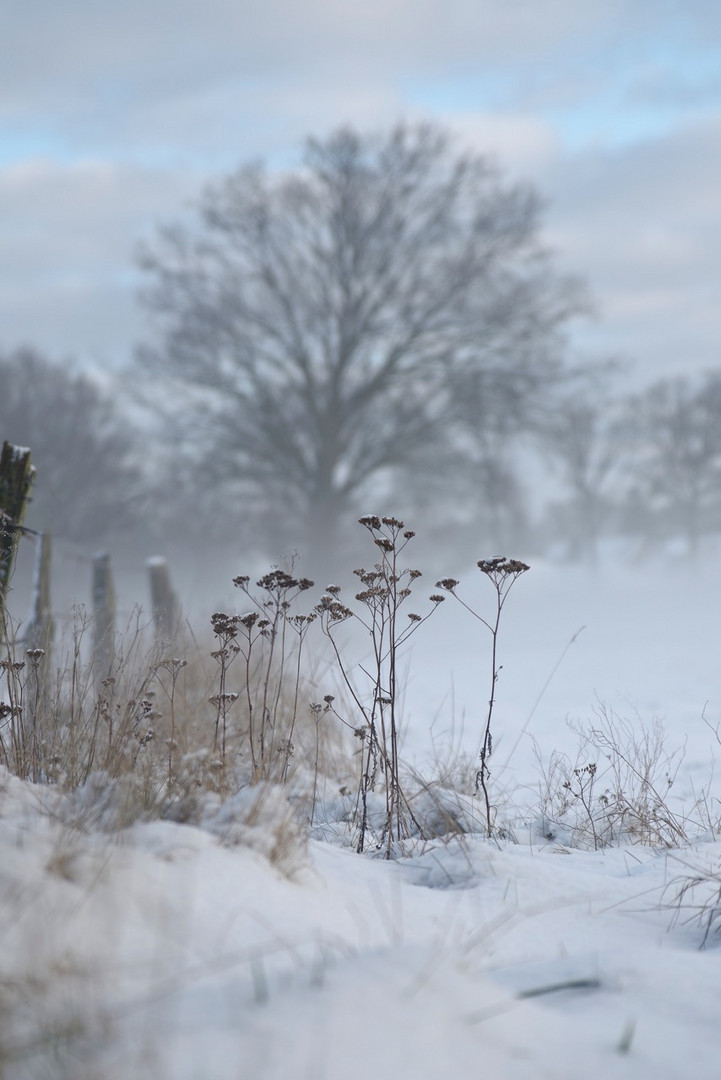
<point>166,608</point>
<point>38,637</point>
<point>16,477</point>
<point>103,618</point>
<point>39,632</point>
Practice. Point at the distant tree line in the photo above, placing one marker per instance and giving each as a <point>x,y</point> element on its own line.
<point>645,467</point>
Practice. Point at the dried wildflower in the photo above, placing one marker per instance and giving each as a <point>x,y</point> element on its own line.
<point>224,625</point>
<point>369,595</point>
<point>436,599</point>
<point>408,534</point>
<point>328,699</point>
<point>332,589</point>
<point>333,609</point>
<point>172,665</point>
<point>277,581</point>
<point>242,581</point>
<point>414,618</point>
<point>35,654</point>
<point>392,523</point>
<point>217,699</point>
<point>413,574</point>
<point>371,521</point>
<point>302,622</point>
<point>447,583</point>
<point>500,566</point>
<point>384,543</point>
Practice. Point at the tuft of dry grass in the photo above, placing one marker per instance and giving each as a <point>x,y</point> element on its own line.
<point>694,897</point>
<point>617,789</point>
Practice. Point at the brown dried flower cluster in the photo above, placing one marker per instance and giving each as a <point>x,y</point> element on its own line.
<point>447,583</point>
<point>332,609</point>
<point>500,566</point>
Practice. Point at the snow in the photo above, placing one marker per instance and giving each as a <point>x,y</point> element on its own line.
<point>238,950</point>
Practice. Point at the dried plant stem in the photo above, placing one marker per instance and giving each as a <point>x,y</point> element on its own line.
<point>386,586</point>
<point>502,573</point>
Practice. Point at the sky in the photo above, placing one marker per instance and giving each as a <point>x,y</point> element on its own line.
<point>114,115</point>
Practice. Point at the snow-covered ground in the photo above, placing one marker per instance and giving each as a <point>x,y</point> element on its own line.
<point>173,951</point>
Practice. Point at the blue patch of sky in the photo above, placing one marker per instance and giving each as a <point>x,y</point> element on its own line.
<point>613,92</point>
<point>16,146</point>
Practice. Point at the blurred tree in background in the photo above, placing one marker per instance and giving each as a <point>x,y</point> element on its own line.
<point>674,464</point>
<point>587,442</point>
<point>89,486</point>
<point>381,323</point>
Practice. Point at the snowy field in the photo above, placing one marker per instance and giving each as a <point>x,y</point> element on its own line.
<point>239,950</point>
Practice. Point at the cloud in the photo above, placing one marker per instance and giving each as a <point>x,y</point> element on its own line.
<point>114,114</point>
<point>645,222</point>
<point>68,235</point>
<point>138,74</point>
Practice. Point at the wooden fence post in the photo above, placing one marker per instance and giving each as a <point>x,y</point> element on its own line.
<point>39,631</point>
<point>103,618</point>
<point>16,477</point>
<point>166,608</point>
<point>39,637</point>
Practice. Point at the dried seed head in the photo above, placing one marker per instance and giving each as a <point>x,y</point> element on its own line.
<point>500,566</point>
<point>447,583</point>
<point>277,581</point>
<point>371,521</point>
<point>224,625</point>
<point>333,609</point>
<point>173,664</point>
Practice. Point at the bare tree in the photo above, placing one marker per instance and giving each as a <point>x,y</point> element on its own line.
<point>588,443</point>
<point>354,323</point>
<point>87,489</point>
<point>676,464</point>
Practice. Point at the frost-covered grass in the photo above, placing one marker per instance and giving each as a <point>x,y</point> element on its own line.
<point>172,911</point>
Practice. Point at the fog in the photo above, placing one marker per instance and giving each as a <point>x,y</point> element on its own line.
<point>566,408</point>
